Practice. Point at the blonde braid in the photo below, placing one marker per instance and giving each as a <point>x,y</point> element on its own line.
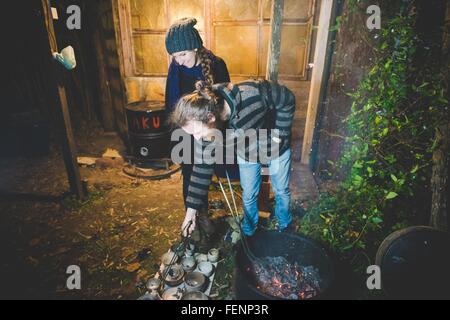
<point>206,63</point>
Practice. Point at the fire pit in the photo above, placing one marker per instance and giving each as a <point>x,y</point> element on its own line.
<point>294,267</point>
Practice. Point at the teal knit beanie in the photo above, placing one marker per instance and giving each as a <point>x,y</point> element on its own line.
<point>182,36</point>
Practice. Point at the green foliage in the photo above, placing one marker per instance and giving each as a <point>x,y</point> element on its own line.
<point>73,203</point>
<point>388,151</point>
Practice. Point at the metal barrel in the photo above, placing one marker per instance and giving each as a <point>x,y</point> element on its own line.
<point>148,132</point>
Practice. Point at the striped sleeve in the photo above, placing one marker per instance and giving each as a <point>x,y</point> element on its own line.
<point>201,176</point>
<point>284,102</point>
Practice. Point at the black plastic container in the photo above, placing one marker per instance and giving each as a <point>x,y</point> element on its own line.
<point>415,264</point>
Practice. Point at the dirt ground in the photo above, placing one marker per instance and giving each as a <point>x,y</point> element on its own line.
<point>116,237</point>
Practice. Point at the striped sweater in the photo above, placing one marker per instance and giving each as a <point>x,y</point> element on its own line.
<point>254,105</point>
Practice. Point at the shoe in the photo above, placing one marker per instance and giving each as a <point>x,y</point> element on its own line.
<point>228,236</point>
<point>232,237</point>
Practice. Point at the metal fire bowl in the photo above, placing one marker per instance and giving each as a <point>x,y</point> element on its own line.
<point>293,247</point>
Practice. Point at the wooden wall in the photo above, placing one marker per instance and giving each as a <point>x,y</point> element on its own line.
<point>236,30</point>
<point>95,87</point>
<point>110,65</point>
<point>26,87</point>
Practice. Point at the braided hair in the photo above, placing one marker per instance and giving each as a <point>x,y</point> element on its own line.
<point>206,64</point>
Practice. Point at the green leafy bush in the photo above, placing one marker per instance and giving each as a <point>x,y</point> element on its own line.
<point>387,154</point>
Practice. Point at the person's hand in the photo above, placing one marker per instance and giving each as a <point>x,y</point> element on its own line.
<point>189,222</point>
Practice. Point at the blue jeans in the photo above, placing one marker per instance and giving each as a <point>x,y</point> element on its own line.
<point>250,175</point>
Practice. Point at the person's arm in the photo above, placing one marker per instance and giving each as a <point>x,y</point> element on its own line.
<point>198,186</point>
<point>197,194</point>
<point>173,93</point>
<point>221,73</point>
<point>284,101</point>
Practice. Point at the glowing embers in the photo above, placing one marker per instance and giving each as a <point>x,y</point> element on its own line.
<point>279,278</point>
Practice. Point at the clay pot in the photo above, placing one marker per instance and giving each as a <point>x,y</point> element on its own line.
<point>188,263</point>
<point>206,267</point>
<point>168,257</point>
<point>173,294</point>
<point>173,275</point>
<point>213,255</point>
<point>195,295</point>
<point>195,281</point>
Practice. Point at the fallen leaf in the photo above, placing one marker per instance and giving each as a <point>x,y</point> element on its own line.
<point>59,251</point>
<point>142,274</point>
<point>111,153</point>
<point>133,267</point>
<point>88,161</point>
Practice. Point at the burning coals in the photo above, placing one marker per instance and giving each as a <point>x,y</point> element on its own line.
<point>277,277</point>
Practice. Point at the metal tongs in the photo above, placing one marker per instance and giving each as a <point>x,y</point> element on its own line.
<point>182,244</point>
<point>235,214</point>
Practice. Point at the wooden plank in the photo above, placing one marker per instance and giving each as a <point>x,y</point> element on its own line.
<point>316,79</point>
<point>64,125</point>
<point>275,40</point>
<point>302,184</point>
<point>259,35</point>
<point>125,51</point>
<point>105,93</point>
<point>264,196</point>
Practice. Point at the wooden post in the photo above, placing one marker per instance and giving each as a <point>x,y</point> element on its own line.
<point>65,127</point>
<point>273,61</point>
<point>316,79</point>
<point>106,105</point>
<point>122,11</point>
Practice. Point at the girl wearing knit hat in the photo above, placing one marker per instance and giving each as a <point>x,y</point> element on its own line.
<point>191,62</point>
